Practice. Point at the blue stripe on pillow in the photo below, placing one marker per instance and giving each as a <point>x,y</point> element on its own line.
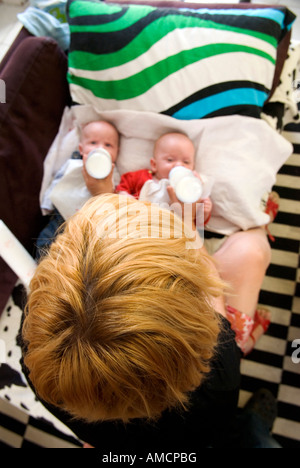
<point>211,104</point>
<point>268,13</point>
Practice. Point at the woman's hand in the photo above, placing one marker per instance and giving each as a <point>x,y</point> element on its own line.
<point>178,208</point>
<point>187,211</point>
<point>98,186</point>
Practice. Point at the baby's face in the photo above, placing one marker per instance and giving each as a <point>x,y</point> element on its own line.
<point>170,151</point>
<point>99,135</point>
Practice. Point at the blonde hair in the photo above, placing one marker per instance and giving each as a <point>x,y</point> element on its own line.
<point>120,327</point>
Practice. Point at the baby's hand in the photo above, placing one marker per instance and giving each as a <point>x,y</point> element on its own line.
<point>207,207</point>
<point>98,186</point>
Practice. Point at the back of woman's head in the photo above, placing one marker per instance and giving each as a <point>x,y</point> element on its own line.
<point>118,322</point>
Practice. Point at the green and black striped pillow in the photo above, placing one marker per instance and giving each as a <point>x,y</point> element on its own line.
<point>186,63</point>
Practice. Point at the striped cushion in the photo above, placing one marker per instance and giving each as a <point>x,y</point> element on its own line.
<point>186,63</point>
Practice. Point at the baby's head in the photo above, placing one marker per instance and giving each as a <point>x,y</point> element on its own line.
<point>99,134</point>
<point>170,150</point>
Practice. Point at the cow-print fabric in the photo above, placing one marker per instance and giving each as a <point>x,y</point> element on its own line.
<point>13,385</point>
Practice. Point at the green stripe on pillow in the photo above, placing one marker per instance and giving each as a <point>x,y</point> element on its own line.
<point>138,84</point>
<point>143,42</point>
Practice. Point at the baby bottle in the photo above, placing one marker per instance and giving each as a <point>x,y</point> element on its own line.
<point>98,163</point>
<point>187,186</point>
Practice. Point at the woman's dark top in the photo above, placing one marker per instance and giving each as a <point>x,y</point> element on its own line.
<point>207,423</point>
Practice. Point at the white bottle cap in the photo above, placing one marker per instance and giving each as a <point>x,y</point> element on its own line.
<point>177,173</point>
<point>188,187</point>
<point>98,163</point>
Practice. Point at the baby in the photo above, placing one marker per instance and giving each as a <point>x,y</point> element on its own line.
<point>170,150</point>
<point>99,134</point>
<point>72,186</point>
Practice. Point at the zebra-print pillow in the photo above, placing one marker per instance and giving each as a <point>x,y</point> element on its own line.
<point>186,63</point>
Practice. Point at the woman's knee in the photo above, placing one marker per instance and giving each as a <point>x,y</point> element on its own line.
<point>255,250</point>
<point>249,249</point>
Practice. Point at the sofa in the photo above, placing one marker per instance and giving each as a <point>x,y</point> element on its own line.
<point>34,72</point>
